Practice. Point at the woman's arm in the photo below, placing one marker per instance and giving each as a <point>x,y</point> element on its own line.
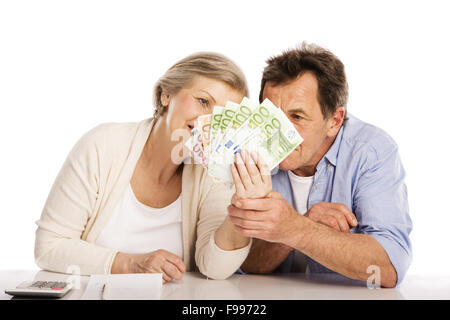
<point>228,238</point>
<point>70,204</point>
<point>252,180</point>
<point>219,250</point>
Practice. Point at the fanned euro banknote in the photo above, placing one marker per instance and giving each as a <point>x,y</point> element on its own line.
<point>260,127</point>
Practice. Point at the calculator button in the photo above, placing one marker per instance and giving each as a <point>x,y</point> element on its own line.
<point>38,284</point>
<point>58,285</point>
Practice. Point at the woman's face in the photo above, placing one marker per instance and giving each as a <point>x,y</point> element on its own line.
<point>198,98</point>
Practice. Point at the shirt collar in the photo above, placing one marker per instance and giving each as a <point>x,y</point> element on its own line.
<point>332,153</point>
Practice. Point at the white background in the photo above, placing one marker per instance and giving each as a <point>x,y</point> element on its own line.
<point>66,66</point>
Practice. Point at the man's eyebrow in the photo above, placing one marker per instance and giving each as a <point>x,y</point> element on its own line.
<point>297,110</point>
<point>212,98</point>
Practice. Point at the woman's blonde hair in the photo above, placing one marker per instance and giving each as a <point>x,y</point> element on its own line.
<point>207,64</point>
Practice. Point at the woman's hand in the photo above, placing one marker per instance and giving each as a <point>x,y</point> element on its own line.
<point>251,176</point>
<point>160,261</point>
<point>252,180</point>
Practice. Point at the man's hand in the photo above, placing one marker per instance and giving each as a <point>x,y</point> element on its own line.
<point>270,218</point>
<point>334,215</point>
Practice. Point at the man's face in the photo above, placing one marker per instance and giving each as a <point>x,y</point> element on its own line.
<point>298,100</point>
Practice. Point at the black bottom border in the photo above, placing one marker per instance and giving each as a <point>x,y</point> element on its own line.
<point>228,309</point>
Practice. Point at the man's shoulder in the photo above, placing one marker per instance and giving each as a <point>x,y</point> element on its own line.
<point>362,139</point>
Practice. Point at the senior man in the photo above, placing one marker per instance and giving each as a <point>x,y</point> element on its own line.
<point>339,203</point>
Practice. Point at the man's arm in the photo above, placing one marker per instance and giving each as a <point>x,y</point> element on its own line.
<point>273,254</point>
<point>273,219</point>
<point>345,253</point>
<point>265,257</point>
<point>381,208</point>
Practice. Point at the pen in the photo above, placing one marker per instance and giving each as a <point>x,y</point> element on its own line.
<point>104,292</point>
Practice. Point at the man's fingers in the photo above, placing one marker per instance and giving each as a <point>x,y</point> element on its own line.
<point>249,232</point>
<point>343,224</point>
<point>332,223</point>
<point>351,219</point>
<point>275,195</point>
<point>340,218</point>
<point>247,224</point>
<point>263,204</point>
<point>349,216</point>
<point>245,214</point>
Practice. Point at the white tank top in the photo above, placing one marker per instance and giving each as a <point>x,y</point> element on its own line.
<point>136,228</point>
<point>300,190</point>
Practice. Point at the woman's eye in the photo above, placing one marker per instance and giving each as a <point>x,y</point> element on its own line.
<point>203,102</point>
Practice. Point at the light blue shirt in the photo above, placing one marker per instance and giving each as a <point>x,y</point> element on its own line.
<point>363,171</point>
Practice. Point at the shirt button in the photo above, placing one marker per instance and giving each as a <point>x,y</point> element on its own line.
<point>328,164</point>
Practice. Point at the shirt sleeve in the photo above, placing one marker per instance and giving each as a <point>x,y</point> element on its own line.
<point>58,244</point>
<point>380,204</point>
<point>211,260</point>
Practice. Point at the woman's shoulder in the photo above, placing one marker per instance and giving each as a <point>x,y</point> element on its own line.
<point>112,138</point>
<point>115,131</point>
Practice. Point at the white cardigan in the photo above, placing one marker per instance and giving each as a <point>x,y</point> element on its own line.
<point>90,183</point>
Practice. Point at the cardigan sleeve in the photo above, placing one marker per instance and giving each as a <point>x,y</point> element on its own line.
<point>212,261</point>
<point>70,205</point>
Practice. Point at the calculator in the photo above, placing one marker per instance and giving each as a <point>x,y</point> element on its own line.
<point>44,289</point>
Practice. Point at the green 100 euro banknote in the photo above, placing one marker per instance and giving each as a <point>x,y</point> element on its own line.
<point>266,130</point>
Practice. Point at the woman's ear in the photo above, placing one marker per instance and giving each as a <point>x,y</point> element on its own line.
<point>165,99</point>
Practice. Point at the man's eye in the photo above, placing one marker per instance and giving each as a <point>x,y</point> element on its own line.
<point>297,117</point>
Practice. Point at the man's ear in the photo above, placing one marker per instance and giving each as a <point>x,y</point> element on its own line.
<point>335,122</point>
<point>165,99</point>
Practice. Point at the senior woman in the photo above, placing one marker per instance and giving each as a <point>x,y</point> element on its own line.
<point>121,204</point>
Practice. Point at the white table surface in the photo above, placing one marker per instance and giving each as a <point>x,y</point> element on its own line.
<point>195,286</point>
